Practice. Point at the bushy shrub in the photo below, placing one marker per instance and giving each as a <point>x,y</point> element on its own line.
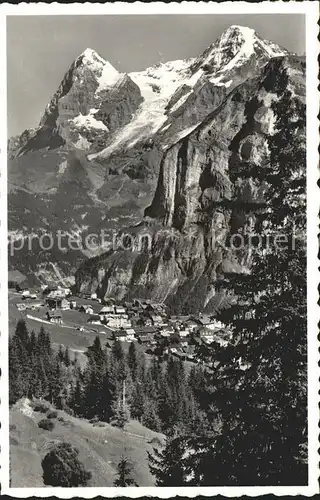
<point>61,467</point>
<point>67,423</point>
<point>40,407</point>
<point>46,424</point>
<point>68,410</point>
<point>99,424</point>
<point>13,441</point>
<point>155,441</point>
<point>94,420</point>
<point>207,68</point>
<point>52,414</point>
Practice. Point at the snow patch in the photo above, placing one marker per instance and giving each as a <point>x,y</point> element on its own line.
<point>180,102</point>
<point>166,127</point>
<point>195,78</point>
<point>89,121</point>
<point>185,132</point>
<point>268,120</point>
<point>83,143</point>
<point>272,49</point>
<point>109,77</point>
<point>268,97</point>
<point>62,167</point>
<point>217,81</point>
<point>227,84</point>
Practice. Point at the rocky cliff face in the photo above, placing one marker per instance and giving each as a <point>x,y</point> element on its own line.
<point>189,219</point>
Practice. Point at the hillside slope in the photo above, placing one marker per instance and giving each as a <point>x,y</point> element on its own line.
<point>99,448</point>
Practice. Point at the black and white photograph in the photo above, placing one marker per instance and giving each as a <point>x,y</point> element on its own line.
<point>161,206</point>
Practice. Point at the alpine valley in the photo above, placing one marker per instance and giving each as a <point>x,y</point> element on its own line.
<point>162,151</point>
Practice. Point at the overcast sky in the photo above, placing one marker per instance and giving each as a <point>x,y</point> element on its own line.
<point>41,48</point>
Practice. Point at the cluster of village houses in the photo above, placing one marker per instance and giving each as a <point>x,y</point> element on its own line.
<point>141,320</point>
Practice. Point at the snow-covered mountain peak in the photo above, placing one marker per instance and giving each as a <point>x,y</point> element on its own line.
<point>103,70</point>
<point>236,29</point>
<point>90,56</point>
<point>236,36</point>
<point>235,46</point>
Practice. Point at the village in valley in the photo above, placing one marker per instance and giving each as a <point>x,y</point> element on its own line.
<point>140,320</point>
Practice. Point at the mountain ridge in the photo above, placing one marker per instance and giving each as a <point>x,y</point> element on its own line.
<point>234,43</point>
<point>118,131</point>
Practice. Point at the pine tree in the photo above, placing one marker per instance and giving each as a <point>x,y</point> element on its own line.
<point>141,368</point>
<point>60,353</point>
<point>137,402</point>
<point>44,342</point>
<point>124,471</point>
<point>167,465</point>
<point>172,394</point>
<point>92,391</point>
<point>149,386</point>
<point>20,362</point>
<point>55,381</point>
<point>117,351</point>
<point>17,387</point>
<point>108,395</point>
<point>156,372</point>
<point>94,397</point>
<point>95,352</point>
<point>66,357</point>
<point>118,362</point>
<point>132,360</point>
<point>32,343</point>
<point>120,408</point>
<point>76,399</point>
<point>21,333</point>
<point>166,409</point>
<point>40,382</point>
<point>150,416</point>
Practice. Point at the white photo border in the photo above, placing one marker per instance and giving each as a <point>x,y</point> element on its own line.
<point>310,10</point>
